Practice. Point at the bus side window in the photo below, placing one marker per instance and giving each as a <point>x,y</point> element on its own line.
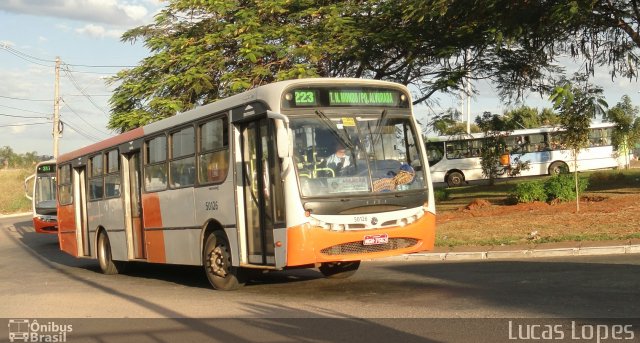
<point>213,157</point>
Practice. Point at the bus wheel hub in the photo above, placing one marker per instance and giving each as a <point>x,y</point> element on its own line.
<point>216,262</point>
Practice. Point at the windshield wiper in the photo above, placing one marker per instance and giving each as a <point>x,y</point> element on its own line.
<point>378,134</point>
<point>335,131</point>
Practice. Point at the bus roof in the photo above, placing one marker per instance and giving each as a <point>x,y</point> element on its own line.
<point>270,94</point>
<point>464,136</point>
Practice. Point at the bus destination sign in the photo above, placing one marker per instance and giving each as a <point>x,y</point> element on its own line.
<point>45,168</point>
<point>361,97</point>
<point>345,97</point>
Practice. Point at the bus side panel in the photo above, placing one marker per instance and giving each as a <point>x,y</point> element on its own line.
<point>305,243</point>
<point>67,230</point>
<point>180,232</point>
<point>108,214</point>
<point>153,233</point>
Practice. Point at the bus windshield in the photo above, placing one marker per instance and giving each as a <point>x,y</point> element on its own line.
<point>45,194</point>
<point>356,154</point>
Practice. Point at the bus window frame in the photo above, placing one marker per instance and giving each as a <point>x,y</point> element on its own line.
<point>200,152</point>
<point>65,183</point>
<point>147,164</point>
<point>171,159</point>
<point>93,177</point>
<point>108,173</point>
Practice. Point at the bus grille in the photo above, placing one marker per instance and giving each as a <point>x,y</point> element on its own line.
<point>359,248</point>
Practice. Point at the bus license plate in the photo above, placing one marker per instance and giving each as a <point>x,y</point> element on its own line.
<point>375,239</point>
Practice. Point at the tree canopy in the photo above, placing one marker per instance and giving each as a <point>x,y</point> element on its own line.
<point>201,51</point>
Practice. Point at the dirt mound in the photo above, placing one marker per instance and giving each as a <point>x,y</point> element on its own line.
<point>593,198</point>
<point>477,204</point>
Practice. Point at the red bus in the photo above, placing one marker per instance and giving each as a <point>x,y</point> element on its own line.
<point>250,183</point>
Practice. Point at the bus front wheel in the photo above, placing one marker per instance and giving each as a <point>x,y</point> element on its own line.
<point>339,270</point>
<point>455,179</point>
<point>107,264</point>
<point>217,264</point>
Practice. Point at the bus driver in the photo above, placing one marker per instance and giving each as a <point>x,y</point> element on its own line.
<point>339,159</point>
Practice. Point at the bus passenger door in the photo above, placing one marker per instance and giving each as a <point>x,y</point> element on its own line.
<point>80,210</point>
<point>263,196</point>
<point>133,206</point>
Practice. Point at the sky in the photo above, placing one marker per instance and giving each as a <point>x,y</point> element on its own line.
<point>85,35</point>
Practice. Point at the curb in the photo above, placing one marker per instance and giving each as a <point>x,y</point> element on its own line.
<point>516,254</point>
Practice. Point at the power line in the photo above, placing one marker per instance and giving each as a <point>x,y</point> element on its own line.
<point>74,82</point>
<point>24,99</point>
<point>27,117</point>
<point>22,109</point>
<point>81,133</point>
<point>98,66</point>
<point>26,57</point>
<point>29,58</point>
<point>81,118</point>
<point>25,124</point>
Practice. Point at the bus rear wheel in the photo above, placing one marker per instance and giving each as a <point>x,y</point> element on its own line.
<point>339,270</point>
<point>107,264</point>
<point>455,179</point>
<point>558,167</point>
<point>217,264</point>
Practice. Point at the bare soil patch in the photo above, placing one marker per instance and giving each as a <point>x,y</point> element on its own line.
<point>610,214</point>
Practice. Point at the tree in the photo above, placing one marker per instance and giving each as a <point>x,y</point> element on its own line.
<point>448,123</point>
<point>204,51</point>
<point>627,130</point>
<point>577,102</point>
<point>495,130</point>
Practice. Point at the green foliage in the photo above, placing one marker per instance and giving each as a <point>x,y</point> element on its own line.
<point>529,191</point>
<point>562,187</point>
<point>10,159</point>
<point>201,51</point>
<point>627,130</point>
<point>441,194</point>
<point>558,187</point>
<point>449,123</point>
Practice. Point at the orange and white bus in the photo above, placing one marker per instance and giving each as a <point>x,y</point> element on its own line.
<point>42,194</point>
<point>245,183</point>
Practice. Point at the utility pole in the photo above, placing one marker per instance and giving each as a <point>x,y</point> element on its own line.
<point>56,109</point>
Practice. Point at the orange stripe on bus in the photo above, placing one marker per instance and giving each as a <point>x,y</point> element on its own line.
<point>152,218</point>
<point>67,230</point>
<point>304,242</point>
<point>155,246</point>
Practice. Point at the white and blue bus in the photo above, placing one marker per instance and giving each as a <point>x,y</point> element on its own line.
<point>456,159</point>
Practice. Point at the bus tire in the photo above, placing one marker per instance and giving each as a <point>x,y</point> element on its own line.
<point>558,167</point>
<point>339,270</point>
<point>455,179</point>
<point>107,264</point>
<point>217,264</point>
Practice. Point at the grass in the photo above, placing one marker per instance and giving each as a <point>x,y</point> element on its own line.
<point>612,218</point>
<point>12,198</point>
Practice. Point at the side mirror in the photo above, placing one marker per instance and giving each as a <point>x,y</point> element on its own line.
<point>283,139</point>
<point>283,134</point>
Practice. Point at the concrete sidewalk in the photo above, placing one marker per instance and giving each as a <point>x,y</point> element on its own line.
<point>470,253</point>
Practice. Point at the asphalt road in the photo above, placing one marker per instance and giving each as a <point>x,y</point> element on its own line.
<point>39,281</point>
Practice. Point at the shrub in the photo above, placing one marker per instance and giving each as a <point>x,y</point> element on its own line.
<point>529,191</point>
<point>562,187</point>
<point>441,194</point>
